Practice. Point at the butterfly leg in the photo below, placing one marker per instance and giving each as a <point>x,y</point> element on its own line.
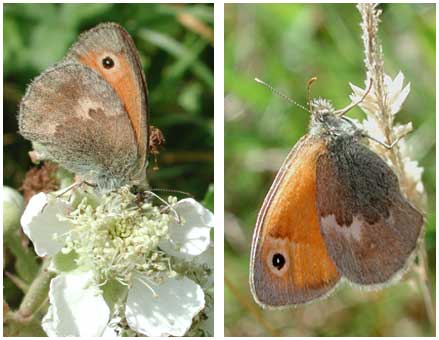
<point>74,185</point>
<point>387,146</point>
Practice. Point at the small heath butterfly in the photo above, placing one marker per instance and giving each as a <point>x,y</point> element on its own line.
<point>334,210</point>
<point>89,113</point>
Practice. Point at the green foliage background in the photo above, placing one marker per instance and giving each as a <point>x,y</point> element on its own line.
<point>175,43</point>
<point>285,45</point>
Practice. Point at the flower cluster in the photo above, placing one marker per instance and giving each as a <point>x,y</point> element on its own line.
<point>124,265</point>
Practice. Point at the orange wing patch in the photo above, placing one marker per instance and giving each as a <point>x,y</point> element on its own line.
<point>124,81</point>
<point>289,230</point>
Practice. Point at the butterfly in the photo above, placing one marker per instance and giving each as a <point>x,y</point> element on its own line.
<point>90,112</point>
<point>335,210</point>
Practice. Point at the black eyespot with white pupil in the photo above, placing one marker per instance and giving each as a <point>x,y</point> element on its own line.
<point>108,62</point>
<point>278,261</point>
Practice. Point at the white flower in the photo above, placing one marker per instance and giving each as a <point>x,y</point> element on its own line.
<point>396,95</point>
<point>191,237</point>
<point>371,126</point>
<point>412,170</point>
<point>163,310</point>
<point>41,223</point>
<point>76,307</point>
<point>377,107</point>
<point>112,246</point>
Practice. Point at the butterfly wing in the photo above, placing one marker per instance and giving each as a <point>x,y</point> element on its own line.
<point>369,228</point>
<point>289,261</point>
<point>109,50</point>
<point>77,120</point>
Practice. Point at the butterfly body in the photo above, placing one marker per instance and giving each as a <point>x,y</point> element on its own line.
<point>334,210</point>
<point>90,112</point>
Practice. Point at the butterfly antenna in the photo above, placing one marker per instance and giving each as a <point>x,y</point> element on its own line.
<point>280,94</point>
<point>343,111</point>
<point>177,216</point>
<point>308,93</point>
<point>173,191</point>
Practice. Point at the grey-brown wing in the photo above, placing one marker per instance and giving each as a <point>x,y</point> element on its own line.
<point>126,76</point>
<point>369,228</point>
<point>78,121</point>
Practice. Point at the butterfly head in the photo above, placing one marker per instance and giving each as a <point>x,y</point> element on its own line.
<point>325,122</point>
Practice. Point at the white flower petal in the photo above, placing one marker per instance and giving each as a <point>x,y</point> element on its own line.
<point>77,308</point>
<point>207,257</point>
<point>169,312</point>
<point>358,92</point>
<point>396,85</point>
<point>109,332</point>
<point>49,323</point>
<point>192,236</point>
<point>194,213</point>
<point>372,128</point>
<point>369,104</point>
<point>402,130</point>
<point>40,223</point>
<point>186,241</point>
<point>414,171</point>
<point>400,99</point>
<point>388,82</point>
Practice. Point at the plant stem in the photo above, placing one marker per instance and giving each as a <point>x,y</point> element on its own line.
<point>424,284</point>
<point>374,62</point>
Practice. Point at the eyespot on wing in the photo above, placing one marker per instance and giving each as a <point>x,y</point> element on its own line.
<point>288,232</point>
<point>109,44</point>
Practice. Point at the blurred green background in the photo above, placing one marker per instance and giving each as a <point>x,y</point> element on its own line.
<point>175,42</point>
<point>285,45</point>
